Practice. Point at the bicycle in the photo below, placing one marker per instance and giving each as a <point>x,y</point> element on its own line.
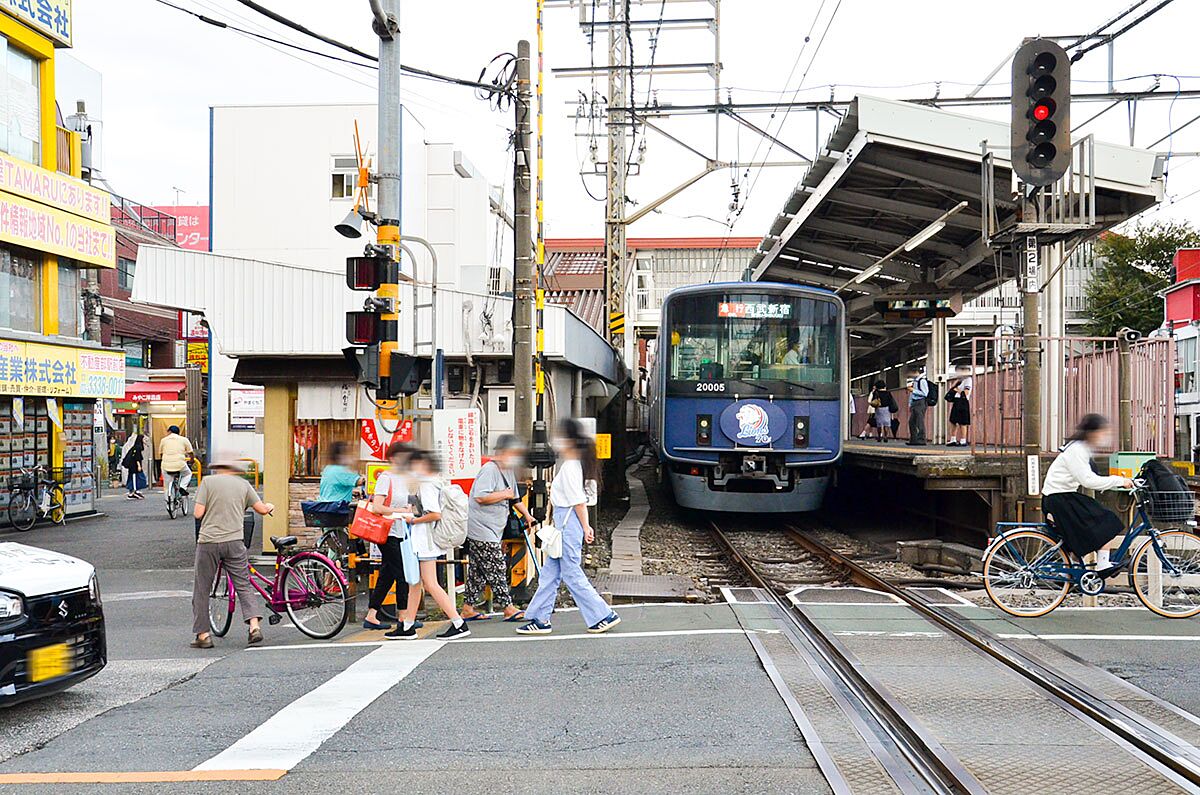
<point>35,494</point>
<point>1027,572</point>
<point>177,501</point>
<point>306,585</point>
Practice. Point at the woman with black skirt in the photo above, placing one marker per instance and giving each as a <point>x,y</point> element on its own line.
<point>1084,525</point>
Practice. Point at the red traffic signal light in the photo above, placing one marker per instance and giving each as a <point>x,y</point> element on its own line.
<point>367,273</point>
<point>362,328</point>
<point>1041,110</point>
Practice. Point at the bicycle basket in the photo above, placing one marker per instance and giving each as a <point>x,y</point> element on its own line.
<point>22,482</point>
<point>1171,506</point>
<point>326,513</point>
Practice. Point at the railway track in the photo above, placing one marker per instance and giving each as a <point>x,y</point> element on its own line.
<point>916,760</point>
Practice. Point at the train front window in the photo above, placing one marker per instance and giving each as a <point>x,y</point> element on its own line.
<point>781,344</point>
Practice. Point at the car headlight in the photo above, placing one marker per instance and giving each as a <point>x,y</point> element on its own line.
<point>94,590</point>
<point>11,605</point>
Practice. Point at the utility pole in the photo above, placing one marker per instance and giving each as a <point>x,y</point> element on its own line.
<point>615,250</point>
<point>523,255</point>
<point>1125,389</point>
<point>387,28</point>
<point>1032,386</point>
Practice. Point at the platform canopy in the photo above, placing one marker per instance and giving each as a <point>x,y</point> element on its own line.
<point>890,169</point>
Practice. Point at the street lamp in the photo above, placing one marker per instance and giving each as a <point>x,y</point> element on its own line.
<point>935,226</point>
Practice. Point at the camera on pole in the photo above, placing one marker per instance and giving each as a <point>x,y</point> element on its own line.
<point>1041,112</point>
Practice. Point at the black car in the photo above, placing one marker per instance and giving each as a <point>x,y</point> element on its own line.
<point>51,623</point>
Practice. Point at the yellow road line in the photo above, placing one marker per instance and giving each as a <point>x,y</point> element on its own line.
<point>142,777</point>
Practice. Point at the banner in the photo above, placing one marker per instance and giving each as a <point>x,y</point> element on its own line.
<point>191,224</point>
<point>54,189</point>
<point>30,368</point>
<point>197,353</point>
<point>44,228</point>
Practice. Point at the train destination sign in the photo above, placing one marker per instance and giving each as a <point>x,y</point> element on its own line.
<point>754,310</point>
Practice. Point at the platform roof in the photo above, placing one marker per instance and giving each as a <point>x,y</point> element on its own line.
<point>887,171</point>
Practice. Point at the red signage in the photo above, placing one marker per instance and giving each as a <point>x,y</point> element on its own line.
<point>369,432</point>
<point>191,225</point>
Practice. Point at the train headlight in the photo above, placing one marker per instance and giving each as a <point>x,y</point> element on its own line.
<point>704,429</point>
<point>11,605</point>
<point>800,428</point>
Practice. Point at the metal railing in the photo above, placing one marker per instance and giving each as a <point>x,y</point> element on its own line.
<point>138,216</point>
<point>1084,381</point>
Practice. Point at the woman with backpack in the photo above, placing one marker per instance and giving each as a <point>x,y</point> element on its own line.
<point>426,487</point>
<point>1084,524</point>
<point>568,496</point>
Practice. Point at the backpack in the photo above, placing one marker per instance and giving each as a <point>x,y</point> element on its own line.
<point>1169,498</point>
<point>450,532</point>
<point>931,392</point>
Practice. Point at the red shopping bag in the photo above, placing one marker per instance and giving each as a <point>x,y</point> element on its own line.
<point>370,526</point>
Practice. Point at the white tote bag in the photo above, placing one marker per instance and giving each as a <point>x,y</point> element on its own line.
<point>551,538</point>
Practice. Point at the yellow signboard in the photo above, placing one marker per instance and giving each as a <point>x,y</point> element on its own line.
<point>197,353</point>
<point>373,473</point>
<point>54,189</point>
<point>44,228</point>
<point>30,368</point>
<point>49,17</point>
<point>604,445</point>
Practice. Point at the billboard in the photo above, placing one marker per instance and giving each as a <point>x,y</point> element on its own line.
<point>191,224</point>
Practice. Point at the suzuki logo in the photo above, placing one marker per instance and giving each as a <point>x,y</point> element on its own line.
<point>62,609</point>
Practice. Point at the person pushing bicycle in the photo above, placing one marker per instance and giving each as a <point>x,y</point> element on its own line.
<point>221,503</point>
<point>176,454</point>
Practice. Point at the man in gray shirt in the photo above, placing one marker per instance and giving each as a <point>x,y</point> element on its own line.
<point>221,503</point>
<point>493,497</point>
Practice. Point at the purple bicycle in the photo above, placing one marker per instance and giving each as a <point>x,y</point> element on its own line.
<point>308,586</point>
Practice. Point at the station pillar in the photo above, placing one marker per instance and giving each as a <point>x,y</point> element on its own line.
<point>1053,311</point>
<point>937,365</point>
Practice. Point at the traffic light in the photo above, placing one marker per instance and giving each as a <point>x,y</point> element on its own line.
<point>368,273</point>
<point>365,363</point>
<point>406,375</point>
<point>1041,112</point>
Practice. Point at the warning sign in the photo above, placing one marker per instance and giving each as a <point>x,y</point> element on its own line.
<point>604,445</point>
<point>456,438</point>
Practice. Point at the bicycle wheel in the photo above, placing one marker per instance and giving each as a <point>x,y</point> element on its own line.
<point>335,545</point>
<point>221,602</point>
<point>22,511</point>
<point>1024,573</point>
<point>173,506</point>
<point>58,505</point>
<point>315,596</point>
<point>1168,583</point>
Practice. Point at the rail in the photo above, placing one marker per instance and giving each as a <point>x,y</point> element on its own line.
<point>911,757</point>
<point>1113,719</point>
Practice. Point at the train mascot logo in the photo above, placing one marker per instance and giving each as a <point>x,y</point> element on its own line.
<point>753,423</point>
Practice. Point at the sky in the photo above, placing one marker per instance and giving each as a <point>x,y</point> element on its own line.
<point>162,69</point>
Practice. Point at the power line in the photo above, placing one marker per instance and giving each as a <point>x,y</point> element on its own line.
<point>1098,31</point>
<point>1112,36</point>
<point>296,26</point>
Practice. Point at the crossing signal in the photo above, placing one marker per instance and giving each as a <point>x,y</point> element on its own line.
<point>368,273</point>
<point>362,328</point>
<point>1041,112</point>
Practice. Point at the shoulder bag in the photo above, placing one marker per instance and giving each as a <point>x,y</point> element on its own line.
<point>371,526</point>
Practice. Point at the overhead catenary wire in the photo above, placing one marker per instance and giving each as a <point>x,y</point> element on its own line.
<point>1112,36</point>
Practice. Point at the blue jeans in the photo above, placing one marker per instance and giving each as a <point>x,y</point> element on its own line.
<point>567,570</point>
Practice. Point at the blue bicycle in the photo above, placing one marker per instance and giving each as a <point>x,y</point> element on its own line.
<point>1028,573</point>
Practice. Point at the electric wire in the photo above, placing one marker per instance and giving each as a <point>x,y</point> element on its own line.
<point>1113,36</point>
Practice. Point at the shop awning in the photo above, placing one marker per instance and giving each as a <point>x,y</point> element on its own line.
<point>154,390</point>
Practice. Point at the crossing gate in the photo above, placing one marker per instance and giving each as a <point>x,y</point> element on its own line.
<point>1079,376</point>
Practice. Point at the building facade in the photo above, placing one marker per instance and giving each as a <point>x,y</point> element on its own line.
<point>56,241</point>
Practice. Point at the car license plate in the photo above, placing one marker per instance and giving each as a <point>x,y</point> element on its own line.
<point>49,662</point>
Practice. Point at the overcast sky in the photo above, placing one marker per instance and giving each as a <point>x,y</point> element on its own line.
<point>163,69</point>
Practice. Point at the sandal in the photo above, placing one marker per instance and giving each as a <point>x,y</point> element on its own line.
<point>517,616</point>
<point>254,636</point>
<point>206,643</point>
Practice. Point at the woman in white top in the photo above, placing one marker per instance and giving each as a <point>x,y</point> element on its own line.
<point>424,483</point>
<point>391,499</point>
<point>568,496</point>
<point>1083,523</point>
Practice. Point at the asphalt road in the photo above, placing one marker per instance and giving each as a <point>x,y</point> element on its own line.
<point>675,700</point>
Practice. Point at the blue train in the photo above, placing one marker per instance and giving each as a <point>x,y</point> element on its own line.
<point>747,400</point>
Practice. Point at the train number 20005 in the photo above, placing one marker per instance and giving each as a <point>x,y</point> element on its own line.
<point>710,386</point>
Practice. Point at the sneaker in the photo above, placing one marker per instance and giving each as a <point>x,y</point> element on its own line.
<point>605,624</point>
<point>452,632</point>
<point>374,625</point>
<point>129,496</point>
<point>534,627</point>
<point>400,633</point>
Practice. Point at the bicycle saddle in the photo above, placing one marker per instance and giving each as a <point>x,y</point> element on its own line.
<point>283,541</point>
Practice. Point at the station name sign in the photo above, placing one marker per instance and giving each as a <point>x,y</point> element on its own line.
<point>51,18</point>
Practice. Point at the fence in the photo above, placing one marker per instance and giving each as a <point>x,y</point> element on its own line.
<point>1084,380</point>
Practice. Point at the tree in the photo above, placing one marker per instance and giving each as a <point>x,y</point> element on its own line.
<point>1134,268</point>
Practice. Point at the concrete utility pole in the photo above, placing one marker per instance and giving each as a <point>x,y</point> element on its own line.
<point>1124,390</point>
<point>523,254</point>
<point>1032,387</point>
<point>387,28</point>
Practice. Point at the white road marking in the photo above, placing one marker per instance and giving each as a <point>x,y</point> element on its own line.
<point>1031,636</point>
<point>614,635</point>
<point>291,734</point>
<point>137,596</point>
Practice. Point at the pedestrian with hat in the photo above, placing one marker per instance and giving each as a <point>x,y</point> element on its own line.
<point>221,504</point>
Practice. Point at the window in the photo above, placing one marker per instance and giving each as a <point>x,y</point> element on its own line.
<point>344,181</point>
<point>20,298</point>
<point>1185,369</point>
<point>70,300</point>
<point>20,105</point>
<point>779,343</point>
<point>125,269</point>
